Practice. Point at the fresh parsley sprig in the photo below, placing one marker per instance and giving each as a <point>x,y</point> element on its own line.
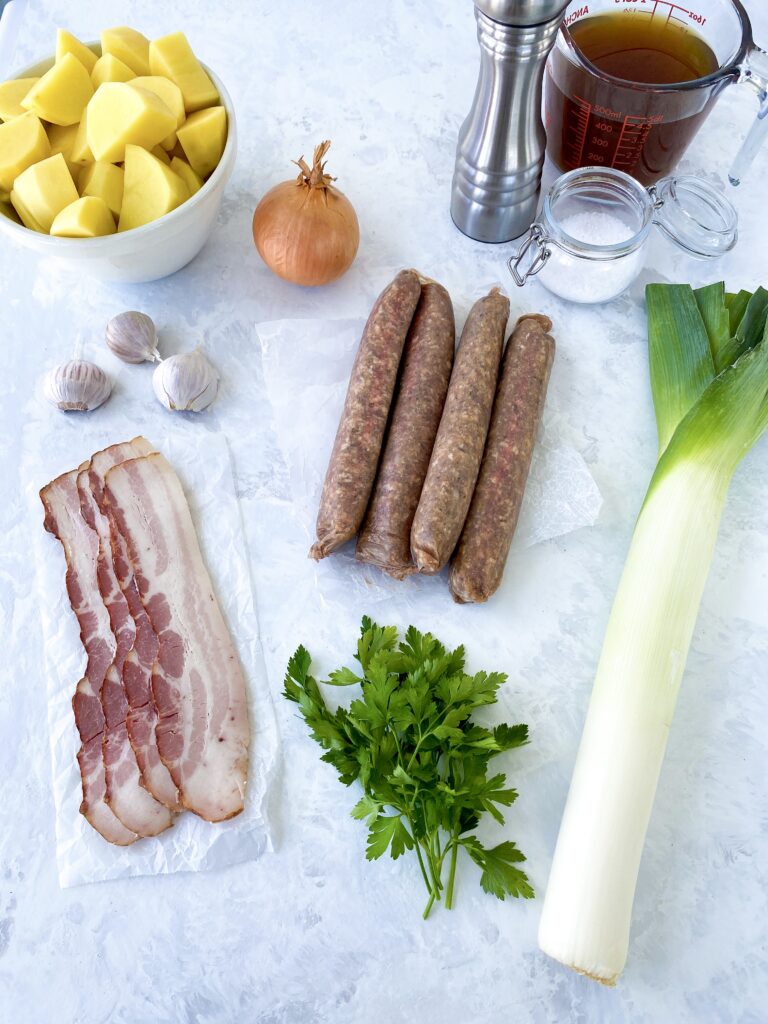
<point>422,763</point>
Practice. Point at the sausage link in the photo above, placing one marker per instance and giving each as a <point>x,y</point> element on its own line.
<point>356,450</point>
<point>385,538</point>
<point>458,450</point>
<point>478,565</point>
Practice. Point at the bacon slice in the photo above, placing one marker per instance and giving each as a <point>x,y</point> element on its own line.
<point>141,718</point>
<point>197,683</point>
<point>64,520</point>
<point>134,805</point>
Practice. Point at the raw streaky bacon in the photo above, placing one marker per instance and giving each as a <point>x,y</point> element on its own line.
<point>141,719</point>
<point>198,685</point>
<point>64,520</point>
<point>132,803</point>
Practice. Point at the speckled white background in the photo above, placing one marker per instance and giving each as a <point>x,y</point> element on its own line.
<point>313,933</point>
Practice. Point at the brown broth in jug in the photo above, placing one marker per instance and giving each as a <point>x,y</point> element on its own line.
<point>633,128</point>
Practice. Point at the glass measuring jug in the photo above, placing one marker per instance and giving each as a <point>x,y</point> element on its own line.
<point>599,117</point>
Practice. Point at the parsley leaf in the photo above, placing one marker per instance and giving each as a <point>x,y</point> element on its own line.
<point>409,740</point>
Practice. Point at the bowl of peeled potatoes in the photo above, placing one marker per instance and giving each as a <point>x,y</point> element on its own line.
<point>114,155</point>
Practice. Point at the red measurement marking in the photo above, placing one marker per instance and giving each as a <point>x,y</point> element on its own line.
<point>579,130</point>
<point>634,132</point>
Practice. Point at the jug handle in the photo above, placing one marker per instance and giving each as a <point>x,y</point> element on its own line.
<point>754,70</point>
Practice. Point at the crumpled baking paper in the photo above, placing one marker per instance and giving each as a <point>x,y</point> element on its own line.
<point>202,461</point>
<point>306,367</point>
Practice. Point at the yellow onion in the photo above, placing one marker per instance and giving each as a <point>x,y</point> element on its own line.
<point>306,231</point>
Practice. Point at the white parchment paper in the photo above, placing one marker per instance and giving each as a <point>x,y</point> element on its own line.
<point>201,458</point>
<point>561,495</point>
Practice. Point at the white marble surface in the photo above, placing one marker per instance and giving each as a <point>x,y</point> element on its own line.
<point>313,933</point>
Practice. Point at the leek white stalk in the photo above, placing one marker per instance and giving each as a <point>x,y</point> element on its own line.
<point>706,424</point>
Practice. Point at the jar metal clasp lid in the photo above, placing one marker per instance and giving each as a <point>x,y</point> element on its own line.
<point>536,240</point>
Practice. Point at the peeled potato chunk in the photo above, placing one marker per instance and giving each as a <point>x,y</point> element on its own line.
<point>151,189</point>
<point>81,152</point>
<point>193,180</point>
<point>161,154</point>
<point>62,93</point>
<point>203,137</point>
<point>24,215</point>
<point>62,139</point>
<point>105,181</point>
<point>67,43</point>
<point>22,143</point>
<point>172,57</point>
<point>168,92</point>
<point>43,190</point>
<point>129,46</point>
<point>109,68</point>
<point>11,95</point>
<point>120,115</point>
<point>88,217</point>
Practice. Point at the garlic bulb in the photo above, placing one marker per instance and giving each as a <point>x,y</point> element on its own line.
<point>133,338</point>
<point>77,386</point>
<point>186,382</point>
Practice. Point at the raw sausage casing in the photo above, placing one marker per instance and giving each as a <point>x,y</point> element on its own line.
<point>478,565</point>
<point>356,450</point>
<point>458,450</point>
<point>385,538</point>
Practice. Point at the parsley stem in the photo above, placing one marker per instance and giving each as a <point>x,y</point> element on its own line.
<point>452,872</point>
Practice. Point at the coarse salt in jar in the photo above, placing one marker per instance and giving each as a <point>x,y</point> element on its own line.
<point>589,241</point>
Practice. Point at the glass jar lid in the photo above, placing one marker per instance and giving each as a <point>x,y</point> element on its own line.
<point>695,215</point>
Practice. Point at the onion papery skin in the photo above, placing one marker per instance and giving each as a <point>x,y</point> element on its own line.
<point>306,235</point>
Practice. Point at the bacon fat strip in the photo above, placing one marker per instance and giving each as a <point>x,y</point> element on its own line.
<point>357,448</point>
<point>141,718</point>
<point>64,520</point>
<point>385,537</point>
<point>198,685</point>
<point>460,441</point>
<point>134,804</point>
<point>479,562</point>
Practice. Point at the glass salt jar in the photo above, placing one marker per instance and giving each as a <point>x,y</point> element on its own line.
<point>590,238</point>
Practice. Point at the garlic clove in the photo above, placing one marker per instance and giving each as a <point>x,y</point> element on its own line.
<point>186,382</point>
<point>77,386</point>
<point>133,338</point>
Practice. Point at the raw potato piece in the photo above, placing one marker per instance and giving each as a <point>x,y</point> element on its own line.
<point>129,46</point>
<point>62,94</point>
<point>11,95</point>
<point>120,115</point>
<point>171,56</point>
<point>88,217</point>
<point>80,153</point>
<point>109,68</point>
<point>23,142</point>
<point>151,189</point>
<point>43,190</point>
<point>25,216</point>
<point>105,181</point>
<point>161,155</point>
<point>169,93</point>
<point>67,43</point>
<point>193,180</point>
<point>203,137</point>
<point>62,140</point>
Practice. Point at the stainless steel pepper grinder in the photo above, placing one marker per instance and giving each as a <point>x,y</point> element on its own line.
<point>500,153</point>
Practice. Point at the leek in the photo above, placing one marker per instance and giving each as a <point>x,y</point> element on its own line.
<point>710,410</point>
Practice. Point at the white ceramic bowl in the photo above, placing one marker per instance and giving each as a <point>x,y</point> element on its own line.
<point>153,250</point>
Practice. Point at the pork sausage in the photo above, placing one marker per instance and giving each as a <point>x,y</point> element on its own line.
<point>385,538</point>
<point>458,449</point>
<point>485,541</point>
<point>356,450</point>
